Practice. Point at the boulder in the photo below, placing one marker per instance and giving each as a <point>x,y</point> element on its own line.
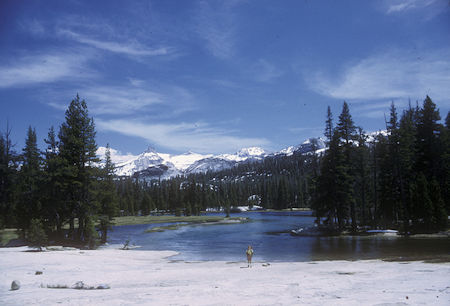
<point>15,285</point>
<point>103,286</point>
<point>79,285</point>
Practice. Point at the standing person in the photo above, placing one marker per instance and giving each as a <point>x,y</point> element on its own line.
<point>249,253</point>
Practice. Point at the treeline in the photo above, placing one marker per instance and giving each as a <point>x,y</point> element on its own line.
<point>398,179</point>
<point>276,182</point>
<point>42,192</point>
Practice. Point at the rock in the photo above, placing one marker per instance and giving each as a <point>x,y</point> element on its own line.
<point>15,285</point>
<point>78,285</point>
<point>103,286</point>
<point>38,273</point>
<point>55,286</point>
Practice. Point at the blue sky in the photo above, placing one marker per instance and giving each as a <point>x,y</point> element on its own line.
<point>216,76</point>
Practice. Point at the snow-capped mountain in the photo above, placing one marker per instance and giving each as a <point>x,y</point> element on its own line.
<point>308,146</point>
<point>159,165</point>
<point>153,165</point>
<point>148,159</point>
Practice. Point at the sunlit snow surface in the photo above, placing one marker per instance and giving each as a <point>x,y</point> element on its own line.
<point>168,165</point>
<point>149,278</point>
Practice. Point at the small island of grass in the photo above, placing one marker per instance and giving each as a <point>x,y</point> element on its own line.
<point>188,221</point>
<point>177,221</point>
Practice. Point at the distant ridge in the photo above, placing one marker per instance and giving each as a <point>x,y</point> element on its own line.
<point>153,165</point>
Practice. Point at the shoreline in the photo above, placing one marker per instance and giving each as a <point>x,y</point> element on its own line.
<point>151,277</point>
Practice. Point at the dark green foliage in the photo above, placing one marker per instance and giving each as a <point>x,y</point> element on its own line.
<point>428,139</point>
<point>90,233</point>
<point>398,180</point>
<point>346,131</point>
<point>8,179</point>
<point>36,235</point>
<point>77,149</point>
<point>104,226</point>
<point>54,208</point>
<point>106,192</point>
<point>422,207</point>
<point>30,182</point>
<point>440,218</point>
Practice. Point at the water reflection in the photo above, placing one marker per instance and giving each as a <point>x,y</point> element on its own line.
<point>268,233</point>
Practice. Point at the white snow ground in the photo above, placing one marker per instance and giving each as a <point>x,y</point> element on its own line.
<point>149,278</point>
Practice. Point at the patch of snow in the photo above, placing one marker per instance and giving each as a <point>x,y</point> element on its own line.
<point>183,161</point>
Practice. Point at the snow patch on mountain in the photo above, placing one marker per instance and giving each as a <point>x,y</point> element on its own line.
<point>310,145</point>
<point>151,164</point>
<point>183,161</point>
<point>254,153</point>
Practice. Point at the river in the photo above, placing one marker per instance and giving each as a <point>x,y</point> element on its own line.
<point>268,233</point>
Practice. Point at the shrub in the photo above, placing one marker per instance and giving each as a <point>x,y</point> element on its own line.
<point>36,234</point>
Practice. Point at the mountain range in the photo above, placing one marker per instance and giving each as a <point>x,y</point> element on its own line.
<point>153,165</point>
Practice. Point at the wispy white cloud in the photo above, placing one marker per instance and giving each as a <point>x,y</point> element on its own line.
<point>391,75</point>
<point>378,110</point>
<point>265,71</point>
<point>116,156</point>
<point>199,136</point>
<point>136,82</point>
<point>120,100</point>
<point>136,98</point>
<point>216,25</point>
<point>427,8</point>
<point>132,48</point>
<point>45,68</point>
<point>33,26</point>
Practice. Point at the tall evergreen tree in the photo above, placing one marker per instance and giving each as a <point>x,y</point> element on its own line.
<point>107,195</point>
<point>346,131</point>
<point>445,180</point>
<point>329,126</point>
<point>55,210</point>
<point>8,179</point>
<point>406,160</point>
<point>362,174</point>
<point>29,204</point>
<point>428,141</point>
<point>77,149</point>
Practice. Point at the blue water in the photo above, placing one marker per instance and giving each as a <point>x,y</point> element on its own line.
<point>268,233</point>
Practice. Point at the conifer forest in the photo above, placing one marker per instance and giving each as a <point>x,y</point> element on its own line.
<point>396,178</point>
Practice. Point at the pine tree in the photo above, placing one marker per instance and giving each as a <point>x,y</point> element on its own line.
<point>8,179</point>
<point>107,195</point>
<point>346,131</point>
<point>54,209</point>
<point>362,174</point>
<point>77,149</point>
<point>36,235</point>
<point>29,205</point>
<point>406,161</point>
<point>329,126</point>
<point>423,210</point>
<point>445,180</point>
<point>440,218</point>
<point>428,146</point>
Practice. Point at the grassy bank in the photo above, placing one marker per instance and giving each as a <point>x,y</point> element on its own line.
<point>209,221</point>
<point>8,234</point>
<point>132,220</point>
